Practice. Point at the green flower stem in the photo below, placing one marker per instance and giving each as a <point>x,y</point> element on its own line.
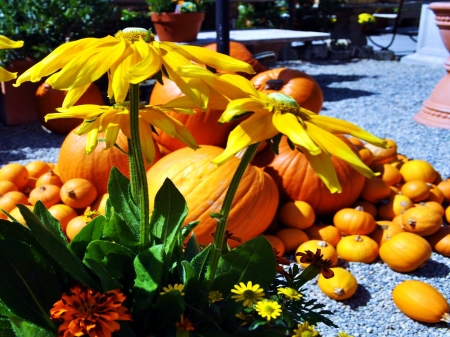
<point>138,175</point>
<point>133,173</point>
<point>219,236</point>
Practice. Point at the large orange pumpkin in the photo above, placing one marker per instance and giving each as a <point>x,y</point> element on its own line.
<point>95,167</point>
<point>240,52</point>
<point>204,126</point>
<point>48,99</point>
<point>295,83</point>
<point>204,185</point>
<point>296,179</point>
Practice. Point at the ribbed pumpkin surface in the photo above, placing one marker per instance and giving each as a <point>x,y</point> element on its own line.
<point>74,163</point>
<point>204,126</point>
<point>204,185</point>
<point>296,180</point>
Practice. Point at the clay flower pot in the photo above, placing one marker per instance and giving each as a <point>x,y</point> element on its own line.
<point>435,110</point>
<point>177,27</point>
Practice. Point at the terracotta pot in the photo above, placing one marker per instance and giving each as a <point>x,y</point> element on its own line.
<point>177,27</point>
<point>17,104</point>
<point>435,110</point>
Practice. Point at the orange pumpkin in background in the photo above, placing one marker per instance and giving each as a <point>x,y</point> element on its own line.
<point>48,99</point>
<point>240,52</point>
<point>204,126</point>
<point>204,185</point>
<point>95,167</point>
<point>291,82</point>
<point>296,180</point>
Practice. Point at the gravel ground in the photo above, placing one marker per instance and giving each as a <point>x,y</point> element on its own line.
<point>382,97</point>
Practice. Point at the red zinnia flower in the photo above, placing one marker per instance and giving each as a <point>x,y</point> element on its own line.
<point>88,312</point>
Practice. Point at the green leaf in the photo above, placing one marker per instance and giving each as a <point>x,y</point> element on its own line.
<point>5,328</point>
<point>167,220</point>
<point>121,200</point>
<point>57,249</point>
<point>91,232</point>
<point>167,312</point>
<point>252,261</point>
<point>28,286</point>
<point>25,328</point>
<point>148,266</point>
<point>107,281</point>
<point>46,218</point>
<point>200,263</point>
<point>118,230</point>
<point>192,248</point>
<point>115,260</point>
<point>190,281</point>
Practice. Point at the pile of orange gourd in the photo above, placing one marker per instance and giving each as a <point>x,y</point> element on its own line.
<point>397,215</point>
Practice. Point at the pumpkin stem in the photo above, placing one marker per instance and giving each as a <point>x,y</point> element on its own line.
<point>71,194</point>
<point>339,291</point>
<point>446,317</point>
<point>322,244</point>
<point>359,238</point>
<point>359,208</point>
<point>412,222</point>
<point>274,84</point>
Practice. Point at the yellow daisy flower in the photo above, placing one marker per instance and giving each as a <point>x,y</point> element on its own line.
<point>343,334</point>
<point>6,43</point>
<point>175,287</point>
<point>289,293</point>
<point>268,309</point>
<point>129,57</point>
<point>276,113</point>
<point>249,293</point>
<point>112,119</point>
<point>246,319</point>
<point>215,296</point>
<point>305,330</point>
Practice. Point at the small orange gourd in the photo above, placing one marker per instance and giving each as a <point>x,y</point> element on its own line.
<point>444,186</point>
<point>49,195</point>
<point>100,204</point>
<point>418,169</point>
<point>63,214</point>
<point>385,231</point>
<point>340,287</point>
<point>422,221</point>
<point>15,213</point>
<point>292,238</point>
<point>390,174</point>
<point>375,189</point>
<point>49,178</point>
<point>16,173</point>
<point>9,200</point>
<point>276,243</point>
<point>327,250</point>
<point>421,302</point>
<point>447,214</point>
<point>433,205</point>
<point>405,252</point>
<point>354,221</point>
<point>37,168</point>
<point>357,248</point>
<point>396,204</point>
<point>382,156</point>
<point>297,214</point>
<point>327,233</point>
<point>416,190</point>
<point>7,186</point>
<point>435,194</point>
<point>78,193</point>
<point>440,241</point>
<point>367,207</point>
<point>75,225</point>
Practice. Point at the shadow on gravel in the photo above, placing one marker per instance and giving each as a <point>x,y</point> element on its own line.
<point>433,269</point>
<point>359,299</point>
<point>333,94</point>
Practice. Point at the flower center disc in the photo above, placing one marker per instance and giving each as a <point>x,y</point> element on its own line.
<point>133,34</point>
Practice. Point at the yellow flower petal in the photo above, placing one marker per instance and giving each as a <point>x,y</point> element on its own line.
<point>148,66</point>
<point>335,125</point>
<point>211,58</point>
<point>92,139</point>
<point>111,133</point>
<point>337,148</point>
<point>289,125</point>
<point>6,43</point>
<point>74,95</point>
<point>147,145</point>
<point>240,82</point>
<point>6,75</point>
<point>241,106</point>
<point>84,111</point>
<point>254,129</point>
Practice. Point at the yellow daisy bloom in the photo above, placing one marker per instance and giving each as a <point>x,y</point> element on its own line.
<point>268,309</point>
<point>215,296</point>
<point>276,113</point>
<point>305,330</point>
<point>249,293</point>
<point>6,43</point>
<point>175,287</point>
<point>129,57</point>
<point>343,334</point>
<point>289,293</point>
<point>112,119</point>
<point>246,319</point>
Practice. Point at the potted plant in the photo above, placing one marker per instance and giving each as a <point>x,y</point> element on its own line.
<point>177,21</point>
<point>43,25</point>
